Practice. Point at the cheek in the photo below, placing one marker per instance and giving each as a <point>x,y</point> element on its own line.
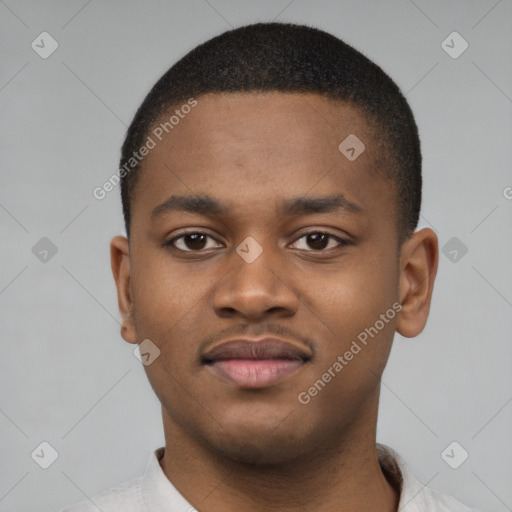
<point>169,303</point>
<point>359,290</point>
<point>172,304</point>
<point>349,306</point>
<point>354,349</point>
<point>164,293</point>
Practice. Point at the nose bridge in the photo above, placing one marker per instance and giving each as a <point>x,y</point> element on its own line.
<point>256,261</point>
<point>255,283</point>
<point>252,271</point>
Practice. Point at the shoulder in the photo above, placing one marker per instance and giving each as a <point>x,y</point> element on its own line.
<point>435,500</point>
<point>126,496</point>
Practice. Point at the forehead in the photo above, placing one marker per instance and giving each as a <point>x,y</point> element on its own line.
<point>279,123</point>
<point>256,149</point>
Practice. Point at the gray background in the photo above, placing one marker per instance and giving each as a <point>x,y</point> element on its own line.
<point>66,375</point>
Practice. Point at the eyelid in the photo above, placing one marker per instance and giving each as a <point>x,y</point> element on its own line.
<point>200,231</point>
<point>341,241</point>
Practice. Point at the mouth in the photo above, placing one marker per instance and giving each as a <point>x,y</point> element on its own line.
<point>256,363</point>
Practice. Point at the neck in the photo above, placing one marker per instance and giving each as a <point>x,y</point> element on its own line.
<point>340,476</point>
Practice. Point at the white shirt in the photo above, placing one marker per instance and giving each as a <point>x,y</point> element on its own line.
<point>153,491</point>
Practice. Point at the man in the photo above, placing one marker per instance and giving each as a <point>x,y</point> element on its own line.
<point>271,188</point>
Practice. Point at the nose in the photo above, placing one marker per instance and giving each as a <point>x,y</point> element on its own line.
<point>255,289</point>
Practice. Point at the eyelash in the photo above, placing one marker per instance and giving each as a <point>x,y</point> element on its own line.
<point>341,242</point>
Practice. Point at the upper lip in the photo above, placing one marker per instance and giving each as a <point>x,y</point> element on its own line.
<point>264,348</point>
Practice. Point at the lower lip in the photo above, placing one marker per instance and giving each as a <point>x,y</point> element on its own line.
<point>255,373</point>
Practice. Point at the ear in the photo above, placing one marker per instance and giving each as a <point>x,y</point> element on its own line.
<point>120,262</point>
<point>419,258</point>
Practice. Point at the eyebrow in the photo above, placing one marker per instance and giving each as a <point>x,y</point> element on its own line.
<point>208,206</point>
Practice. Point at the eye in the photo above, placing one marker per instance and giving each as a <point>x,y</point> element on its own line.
<point>319,240</point>
<point>196,241</point>
<point>190,242</point>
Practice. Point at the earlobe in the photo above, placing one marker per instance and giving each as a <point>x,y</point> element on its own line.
<point>120,263</point>
<point>418,268</point>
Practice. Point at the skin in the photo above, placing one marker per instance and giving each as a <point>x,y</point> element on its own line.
<point>230,448</point>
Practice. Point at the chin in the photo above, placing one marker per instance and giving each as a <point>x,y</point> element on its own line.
<point>260,445</point>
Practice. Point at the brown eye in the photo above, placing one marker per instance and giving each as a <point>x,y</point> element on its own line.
<point>195,241</point>
<point>319,241</point>
<point>190,242</point>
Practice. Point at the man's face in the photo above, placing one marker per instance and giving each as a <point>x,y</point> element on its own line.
<point>254,154</point>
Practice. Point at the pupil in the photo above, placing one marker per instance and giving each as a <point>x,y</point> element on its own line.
<point>194,240</point>
<point>318,238</point>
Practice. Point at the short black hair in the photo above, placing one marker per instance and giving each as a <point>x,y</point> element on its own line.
<point>286,57</point>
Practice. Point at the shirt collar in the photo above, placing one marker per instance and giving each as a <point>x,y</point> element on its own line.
<point>399,476</point>
<point>158,491</point>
